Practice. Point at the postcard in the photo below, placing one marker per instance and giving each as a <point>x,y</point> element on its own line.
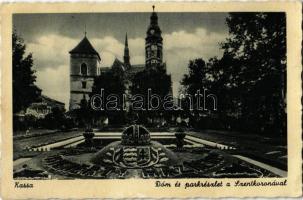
<point>157,100</point>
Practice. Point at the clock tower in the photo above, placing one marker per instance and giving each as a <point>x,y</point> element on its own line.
<point>153,43</point>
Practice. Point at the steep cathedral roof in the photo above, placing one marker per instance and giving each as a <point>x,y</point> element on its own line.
<point>85,47</point>
<point>129,72</point>
<point>137,68</point>
<point>117,64</point>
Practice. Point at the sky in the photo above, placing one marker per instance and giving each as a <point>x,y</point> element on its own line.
<point>49,37</point>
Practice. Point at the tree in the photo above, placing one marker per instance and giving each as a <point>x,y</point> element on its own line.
<point>256,70</point>
<point>155,79</point>
<point>84,114</point>
<point>112,85</point>
<point>250,79</point>
<point>202,79</point>
<point>24,90</point>
<point>196,77</point>
<point>153,82</point>
<point>56,119</point>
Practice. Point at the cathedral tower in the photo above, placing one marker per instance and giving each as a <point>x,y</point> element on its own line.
<point>153,43</point>
<point>126,56</point>
<point>83,68</point>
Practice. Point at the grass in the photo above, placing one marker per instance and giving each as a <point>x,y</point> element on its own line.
<point>19,145</point>
<point>249,145</point>
<point>254,146</point>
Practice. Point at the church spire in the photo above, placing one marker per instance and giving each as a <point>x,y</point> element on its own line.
<point>126,41</point>
<point>126,56</point>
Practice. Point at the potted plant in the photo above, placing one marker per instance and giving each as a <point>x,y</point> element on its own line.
<point>89,135</point>
<point>180,135</point>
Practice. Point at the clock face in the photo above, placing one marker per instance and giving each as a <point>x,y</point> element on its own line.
<point>152,31</point>
<point>154,47</point>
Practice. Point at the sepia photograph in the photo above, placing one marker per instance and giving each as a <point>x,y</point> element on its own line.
<point>151,100</point>
<point>149,95</point>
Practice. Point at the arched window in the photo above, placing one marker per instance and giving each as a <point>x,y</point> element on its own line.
<point>83,69</point>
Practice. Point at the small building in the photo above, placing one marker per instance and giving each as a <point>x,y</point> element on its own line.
<point>44,106</point>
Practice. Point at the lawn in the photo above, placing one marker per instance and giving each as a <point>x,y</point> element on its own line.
<point>19,145</point>
<point>265,149</point>
<point>272,151</point>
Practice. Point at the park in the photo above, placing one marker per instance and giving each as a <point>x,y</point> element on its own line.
<point>216,116</point>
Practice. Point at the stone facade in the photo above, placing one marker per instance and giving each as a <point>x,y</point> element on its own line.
<point>153,43</point>
<point>84,61</point>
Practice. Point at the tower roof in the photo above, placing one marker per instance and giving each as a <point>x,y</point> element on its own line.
<point>117,64</point>
<point>85,47</point>
<point>154,17</point>
<point>153,30</point>
<point>126,40</point>
<point>126,53</point>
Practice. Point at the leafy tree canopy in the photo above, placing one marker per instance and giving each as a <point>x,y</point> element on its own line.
<point>250,78</point>
<point>112,84</point>
<point>254,63</point>
<point>155,79</point>
<point>148,83</point>
<point>24,90</point>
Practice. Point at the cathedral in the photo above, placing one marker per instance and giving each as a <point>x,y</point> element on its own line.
<point>84,62</point>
